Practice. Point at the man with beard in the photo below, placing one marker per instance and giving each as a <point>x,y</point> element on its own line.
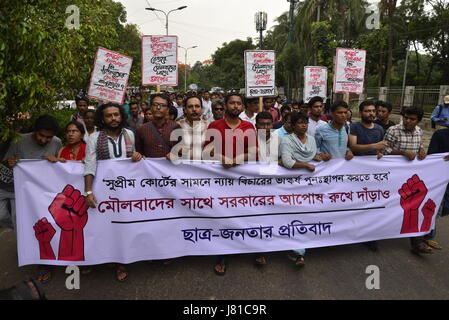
<point>153,137</point>
<point>193,128</point>
<point>366,138</point>
<point>112,141</point>
<point>243,135</point>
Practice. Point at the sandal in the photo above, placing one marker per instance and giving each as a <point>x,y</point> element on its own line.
<point>299,262</point>
<point>221,263</point>
<point>260,260</point>
<point>121,273</point>
<point>433,244</point>
<point>421,248</point>
<point>44,276</point>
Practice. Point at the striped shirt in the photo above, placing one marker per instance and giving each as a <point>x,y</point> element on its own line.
<point>400,139</point>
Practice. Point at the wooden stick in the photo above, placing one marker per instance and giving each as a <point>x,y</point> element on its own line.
<point>260,104</point>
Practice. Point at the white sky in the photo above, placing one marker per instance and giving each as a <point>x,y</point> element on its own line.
<point>204,23</point>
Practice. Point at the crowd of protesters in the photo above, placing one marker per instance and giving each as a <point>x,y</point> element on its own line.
<point>300,132</point>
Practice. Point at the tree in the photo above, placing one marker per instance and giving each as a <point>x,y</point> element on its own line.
<point>229,60</point>
<point>41,60</point>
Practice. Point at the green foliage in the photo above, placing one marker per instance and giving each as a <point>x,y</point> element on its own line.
<point>42,60</point>
<point>229,62</point>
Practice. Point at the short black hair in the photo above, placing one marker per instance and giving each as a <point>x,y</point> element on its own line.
<point>131,103</point>
<point>284,108</point>
<point>384,104</point>
<point>414,110</point>
<point>264,115</point>
<point>313,100</point>
<point>366,103</point>
<point>81,98</point>
<point>90,110</point>
<point>216,103</point>
<point>46,122</point>
<point>173,111</point>
<point>233,94</point>
<point>98,119</point>
<point>339,103</point>
<point>77,124</point>
<point>296,116</point>
<point>288,115</point>
<point>188,97</point>
<point>161,95</point>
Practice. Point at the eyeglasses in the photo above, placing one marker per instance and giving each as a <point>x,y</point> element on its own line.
<point>162,105</point>
<point>219,109</point>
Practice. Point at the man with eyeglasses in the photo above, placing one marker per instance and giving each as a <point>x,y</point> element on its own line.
<point>153,137</point>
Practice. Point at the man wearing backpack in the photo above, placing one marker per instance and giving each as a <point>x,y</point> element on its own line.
<point>440,115</point>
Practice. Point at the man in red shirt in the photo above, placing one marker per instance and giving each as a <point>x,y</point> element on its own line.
<point>237,142</point>
<point>233,141</point>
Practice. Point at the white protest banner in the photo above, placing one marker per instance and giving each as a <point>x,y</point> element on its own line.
<point>110,76</point>
<point>315,83</point>
<point>154,209</point>
<point>260,73</point>
<point>160,60</point>
<point>349,73</point>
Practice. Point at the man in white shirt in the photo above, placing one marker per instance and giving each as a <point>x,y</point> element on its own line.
<point>251,108</point>
<point>207,106</point>
<point>315,111</point>
<point>112,141</point>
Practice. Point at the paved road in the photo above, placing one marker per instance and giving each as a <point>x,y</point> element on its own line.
<point>330,273</point>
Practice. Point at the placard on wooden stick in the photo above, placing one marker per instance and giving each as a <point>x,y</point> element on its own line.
<point>109,77</point>
<point>159,60</point>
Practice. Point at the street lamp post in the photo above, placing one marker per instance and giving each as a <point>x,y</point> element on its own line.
<point>166,15</point>
<point>185,65</point>
<point>290,41</point>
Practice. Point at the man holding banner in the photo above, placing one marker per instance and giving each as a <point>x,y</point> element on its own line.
<point>406,139</point>
<point>238,144</point>
<point>112,141</point>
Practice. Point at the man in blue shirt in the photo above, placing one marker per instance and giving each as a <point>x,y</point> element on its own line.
<point>332,138</point>
<point>366,137</point>
<point>440,115</point>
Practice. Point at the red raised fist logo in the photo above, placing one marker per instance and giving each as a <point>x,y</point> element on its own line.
<point>428,210</point>
<point>69,210</point>
<point>44,232</point>
<point>413,193</point>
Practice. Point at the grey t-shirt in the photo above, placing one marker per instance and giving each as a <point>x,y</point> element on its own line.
<point>367,136</point>
<point>27,148</point>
